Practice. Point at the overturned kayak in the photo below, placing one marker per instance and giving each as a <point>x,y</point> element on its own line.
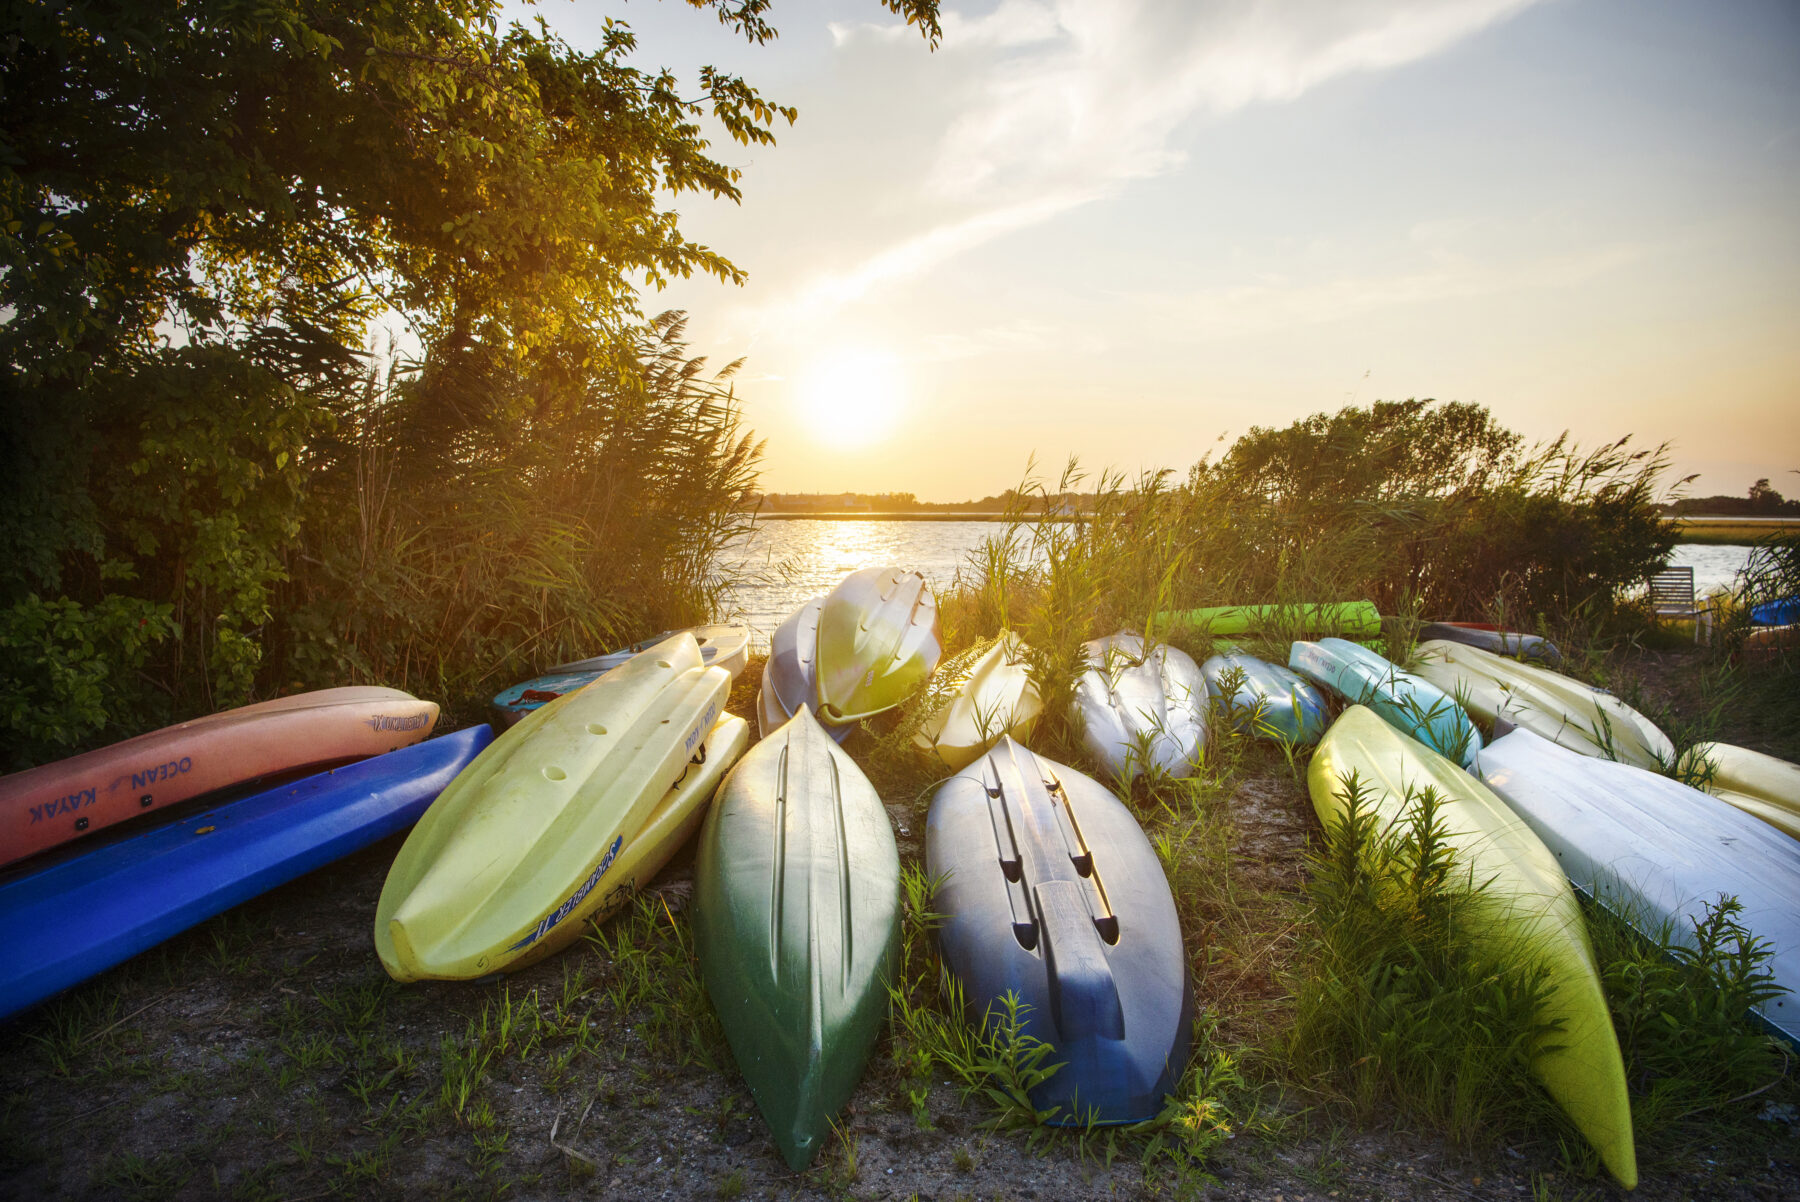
<point>727,647</point>
<point>1410,704</point>
<point>1656,852</point>
<point>1051,892</point>
<point>54,803</point>
<point>1532,912</point>
<point>1141,708</point>
<point>1268,701</point>
<point>878,641</point>
<point>82,914</point>
<point>1757,784</point>
<point>995,698</point>
<point>1354,619</point>
<point>557,822</point>
<point>1493,639</point>
<point>790,680</point>
<point>797,922</point>
<point>1557,707</point>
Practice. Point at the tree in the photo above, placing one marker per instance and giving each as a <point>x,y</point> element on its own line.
<point>203,203</point>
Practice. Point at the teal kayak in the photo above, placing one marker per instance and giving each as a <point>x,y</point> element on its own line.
<point>1408,703</point>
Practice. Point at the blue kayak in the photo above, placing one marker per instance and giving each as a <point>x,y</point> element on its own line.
<point>83,914</point>
<point>1784,612</point>
<point>1410,704</point>
<point>1269,701</point>
<point>1052,893</point>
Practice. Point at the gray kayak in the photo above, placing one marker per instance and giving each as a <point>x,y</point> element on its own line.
<point>1141,707</point>
<point>790,675</point>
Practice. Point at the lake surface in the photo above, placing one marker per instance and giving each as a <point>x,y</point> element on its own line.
<point>783,564</point>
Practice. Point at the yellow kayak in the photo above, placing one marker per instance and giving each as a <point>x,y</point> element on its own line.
<point>996,698</point>
<point>1535,911</point>
<point>1548,704</point>
<point>560,819</point>
<point>1757,784</point>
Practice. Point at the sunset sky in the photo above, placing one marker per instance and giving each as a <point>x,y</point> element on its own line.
<point>1126,229</point>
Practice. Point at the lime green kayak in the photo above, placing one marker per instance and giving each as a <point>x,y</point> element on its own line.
<point>1534,911</point>
<point>797,920</point>
<point>1348,619</point>
<point>878,641</point>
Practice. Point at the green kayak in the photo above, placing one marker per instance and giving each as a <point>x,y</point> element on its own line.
<point>1347,619</point>
<point>797,921</point>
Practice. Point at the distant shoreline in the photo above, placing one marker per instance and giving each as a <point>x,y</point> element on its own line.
<point>905,516</point>
<point>1727,530</point>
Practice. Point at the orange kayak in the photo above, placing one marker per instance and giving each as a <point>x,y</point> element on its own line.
<point>54,803</point>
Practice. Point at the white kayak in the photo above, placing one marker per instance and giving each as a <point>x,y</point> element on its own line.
<point>1565,711</point>
<point>1141,707</point>
<point>1655,851</point>
<point>995,698</point>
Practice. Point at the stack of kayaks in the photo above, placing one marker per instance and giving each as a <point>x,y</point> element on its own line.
<point>727,647</point>
<point>790,681</point>
<point>994,698</point>
<point>1267,700</point>
<point>48,805</point>
<point>1355,619</point>
<point>1492,638</point>
<point>1755,783</point>
<point>87,910</point>
<point>1657,852</point>
<point>796,922</point>
<point>878,641</point>
<point>1051,892</point>
<point>1565,711</point>
<point>1529,911</point>
<point>1412,705</point>
<point>560,820</point>
<point>1141,708</point>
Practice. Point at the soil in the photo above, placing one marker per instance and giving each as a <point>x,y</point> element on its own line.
<point>229,1063</point>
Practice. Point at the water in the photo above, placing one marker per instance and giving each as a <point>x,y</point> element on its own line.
<point>781,565</point>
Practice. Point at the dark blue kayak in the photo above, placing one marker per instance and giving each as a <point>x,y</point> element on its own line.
<point>726,646</point>
<point>1051,891</point>
<point>85,913</point>
<point>1784,612</point>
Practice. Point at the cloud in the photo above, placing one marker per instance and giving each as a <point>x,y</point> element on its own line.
<point>1071,100</point>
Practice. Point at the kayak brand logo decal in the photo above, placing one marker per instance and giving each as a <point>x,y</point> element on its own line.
<point>151,776</point>
<point>575,899</point>
<point>67,804</point>
<point>705,724</point>
<point>382,722</point>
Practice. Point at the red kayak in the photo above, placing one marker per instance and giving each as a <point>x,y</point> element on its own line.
<point>54,803</point>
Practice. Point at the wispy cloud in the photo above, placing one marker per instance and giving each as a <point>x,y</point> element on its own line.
<point>1077,99</point>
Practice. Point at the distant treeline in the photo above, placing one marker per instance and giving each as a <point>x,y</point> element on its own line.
<point>905,502</point>
<point>1762,501</point>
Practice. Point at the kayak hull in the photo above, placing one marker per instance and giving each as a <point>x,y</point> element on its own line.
<point>1553,706</point>
<point>1757,784</point>
<point>1655,851</point>
<point>1351,619</point>
<point>790,681</point>
<point>878,641</point>
<point>54,803</point>
<point>532,839</point>
<point>1141,708</point>
<point>995,698</point>
<point>797,923</point>
<point>85,913</point>
<point>1492,639</point>
<point>1532,909</point>
<point>1412,705</point>
<point>1271,701</point>
<point>1051,892</point>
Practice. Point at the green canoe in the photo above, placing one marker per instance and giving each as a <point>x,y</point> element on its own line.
<point>797,921</point>
<point>1348,619</point>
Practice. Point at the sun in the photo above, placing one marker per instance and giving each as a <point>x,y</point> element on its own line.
<point>850,397</point>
